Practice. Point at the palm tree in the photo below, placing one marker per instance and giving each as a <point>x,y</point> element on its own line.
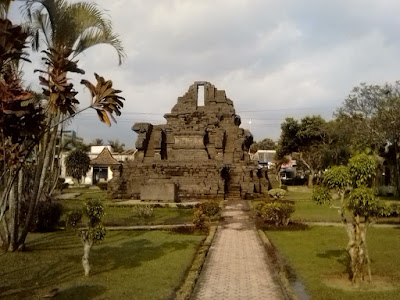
<point>67,30</point>
<point>4,7</point>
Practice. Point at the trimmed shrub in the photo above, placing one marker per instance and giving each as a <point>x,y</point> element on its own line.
<point>277,194</point>
<point>277,212</point>
<point>199,219</point>
<point>284,187</point>
<point>143,211</point>
<point>209,208</point>
<point>102,185</point>
<point>258,209</point>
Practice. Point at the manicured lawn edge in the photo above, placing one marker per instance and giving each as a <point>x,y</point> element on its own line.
<point>186,289</point>
<point>279,266</point>
<point>150,227</point>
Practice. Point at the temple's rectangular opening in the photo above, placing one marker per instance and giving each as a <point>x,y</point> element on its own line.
<point>200,95</point>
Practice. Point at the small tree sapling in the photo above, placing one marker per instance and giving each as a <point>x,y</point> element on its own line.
<point>94,231</point>
<point>353,185</point>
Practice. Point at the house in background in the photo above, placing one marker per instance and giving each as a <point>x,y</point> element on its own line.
<point>265,158</point>
<point>102,161</point>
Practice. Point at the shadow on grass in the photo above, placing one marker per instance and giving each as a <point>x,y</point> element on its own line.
<point>130,254</point>
<point>55,260</point>
<point>340,255</point>
<point>81,292</point>
<point>290,227</point>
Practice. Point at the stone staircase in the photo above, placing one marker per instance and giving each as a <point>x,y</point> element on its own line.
<point>234,192</point>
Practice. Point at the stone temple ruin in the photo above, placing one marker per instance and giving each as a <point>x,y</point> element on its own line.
<point>200,153</point>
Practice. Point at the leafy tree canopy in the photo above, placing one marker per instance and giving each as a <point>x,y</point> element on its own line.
<point>265,144</point>
<point>77,164</point>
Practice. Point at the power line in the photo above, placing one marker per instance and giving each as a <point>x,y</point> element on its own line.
<point>239,111</point>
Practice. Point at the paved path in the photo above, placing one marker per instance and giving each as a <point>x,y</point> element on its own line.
<point>237,266</point>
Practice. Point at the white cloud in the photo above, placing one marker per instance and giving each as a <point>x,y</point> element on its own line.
<point>278,57</point>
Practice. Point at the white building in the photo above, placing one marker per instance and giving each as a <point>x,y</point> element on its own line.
<point>102,161</point>
<point>265,158</point>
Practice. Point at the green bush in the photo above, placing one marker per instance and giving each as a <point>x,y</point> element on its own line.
<point>46,216</point>
<point>102,185</point>
<point>143,211</point>
<point>209,208</point>
<point>258,209</point>
<point>199,219</point>
<point>182,206</point>
<point>277,194</point>
<point>277,212</point>
<point>61,185</point>
<point>74,217</point>
<point>284,187</point>
<point>394,210</point>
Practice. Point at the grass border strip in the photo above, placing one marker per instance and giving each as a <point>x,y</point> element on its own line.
<point>186,289</point>
<point>279,265</point>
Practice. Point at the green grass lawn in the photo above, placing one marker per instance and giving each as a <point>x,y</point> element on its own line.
<point>127,265</point>
<point>319,259</point>
<point>306,210</point>
<point>123,215</point>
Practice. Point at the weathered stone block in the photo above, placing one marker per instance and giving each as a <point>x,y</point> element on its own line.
<point>163,190</point>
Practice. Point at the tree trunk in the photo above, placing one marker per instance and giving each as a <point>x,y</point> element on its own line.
<point>356,252</point>
<point>87,245</point>
<point>397,169</point>
<point>14,214</point>
<point>364,242</point>
<point>311,179</point>
<point>38,186</point>
<point>278,175</point>
<point>312,172</point>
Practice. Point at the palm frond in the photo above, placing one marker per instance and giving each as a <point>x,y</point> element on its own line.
<point>93,37</point>
<point>106,100</point>
<point>95,28</point>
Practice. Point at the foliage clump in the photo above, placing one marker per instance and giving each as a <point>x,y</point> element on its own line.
<point>92,230</point>
<point>61,184</point>
<point>209,208</point>
<point>143,211</point>
<point>204,213</point>
<point>276,212</point>
<point>277,194</point>
<point>200,219</point>
<point>46,217</point>
<point>77,164</point>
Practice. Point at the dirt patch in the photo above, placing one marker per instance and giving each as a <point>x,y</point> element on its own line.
<point>342,282</point>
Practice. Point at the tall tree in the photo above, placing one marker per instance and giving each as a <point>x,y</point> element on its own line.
<point>20,124</point>
<point>372,111</point>
<point>67,30</point>
<point>307,138</point>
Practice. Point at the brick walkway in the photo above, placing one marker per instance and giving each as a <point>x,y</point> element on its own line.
<point>237,265</point>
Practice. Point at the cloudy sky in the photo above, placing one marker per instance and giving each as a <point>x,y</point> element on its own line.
<point>274,58</point>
